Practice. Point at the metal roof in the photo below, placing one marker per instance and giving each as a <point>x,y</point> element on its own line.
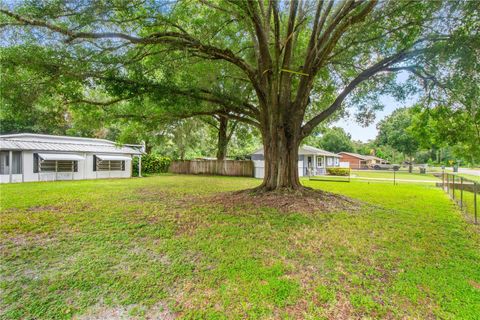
<point>308,150</point>
<point>39,142</point>
<point>37,136</point>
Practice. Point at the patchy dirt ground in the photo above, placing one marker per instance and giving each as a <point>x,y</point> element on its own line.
<point>159,311</point>
<point>306,201</point>
<point>309,201</point>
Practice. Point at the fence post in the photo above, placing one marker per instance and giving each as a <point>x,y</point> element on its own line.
<point>448,184</point>
<point>475,201</point>
<point>461,193</point>
<point>443,181</point>
<point>453,187</point>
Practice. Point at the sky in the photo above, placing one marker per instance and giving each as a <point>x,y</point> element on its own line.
<point>368,133</point>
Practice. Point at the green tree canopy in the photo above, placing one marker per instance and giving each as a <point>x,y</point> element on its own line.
<point>395,131</point>
<point>336,140</point>
<point>282,67</point>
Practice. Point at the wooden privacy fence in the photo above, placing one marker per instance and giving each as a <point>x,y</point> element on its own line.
<point>242,168</point>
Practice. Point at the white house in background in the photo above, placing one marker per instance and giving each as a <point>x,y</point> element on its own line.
<point>38,157</point>
<point>311,161</point>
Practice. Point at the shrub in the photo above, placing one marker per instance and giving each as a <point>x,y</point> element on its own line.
<point>152,163</point>
<point>338,171</point>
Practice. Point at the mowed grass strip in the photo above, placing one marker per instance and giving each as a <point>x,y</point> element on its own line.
<point>156,247</point>
<point>400,175</point>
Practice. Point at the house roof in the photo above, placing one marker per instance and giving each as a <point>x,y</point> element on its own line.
<point>375,158</point>
<point>361,156</point>
<point>312,150</point>
<point>43,142</point>
<point>356,155</point>
<point>307,150</point>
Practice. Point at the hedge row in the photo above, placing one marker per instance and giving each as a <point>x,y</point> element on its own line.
<point>338,171</point>
<point>152,163</point>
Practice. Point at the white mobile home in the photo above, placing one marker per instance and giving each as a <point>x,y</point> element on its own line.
<point>38,157</point>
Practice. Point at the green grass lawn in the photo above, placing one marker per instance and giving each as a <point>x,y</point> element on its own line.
<point>467,201</point>
<point>157,248</point>
<point>359,174</point>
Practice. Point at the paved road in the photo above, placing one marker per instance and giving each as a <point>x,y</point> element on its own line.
<point>469,171</point>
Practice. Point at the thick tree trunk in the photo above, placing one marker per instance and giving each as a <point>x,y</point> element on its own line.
<point>281,164</point>
<point>148,147</point>
<point>222,142</point>
<point>281,161</point>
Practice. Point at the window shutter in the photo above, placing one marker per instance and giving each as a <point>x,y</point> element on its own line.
<point>94,163</point>
<point>35,163</point>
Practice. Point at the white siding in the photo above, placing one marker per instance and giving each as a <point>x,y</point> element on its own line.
<point>345,164</point>
<point>85,171</point>
<point>5,178</point>
<point>259,166</point>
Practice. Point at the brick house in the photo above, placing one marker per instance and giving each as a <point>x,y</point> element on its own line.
<point>359,161</point>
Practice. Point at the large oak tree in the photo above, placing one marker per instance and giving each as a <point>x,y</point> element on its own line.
<point>302,60</point>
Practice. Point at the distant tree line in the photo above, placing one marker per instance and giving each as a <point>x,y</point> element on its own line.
<point>415,134</point>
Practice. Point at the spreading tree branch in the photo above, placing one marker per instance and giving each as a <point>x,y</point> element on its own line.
<point>175,39</point>
<point>380,66</point>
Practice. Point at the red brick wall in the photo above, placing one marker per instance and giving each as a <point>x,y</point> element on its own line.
<point>354,161</point>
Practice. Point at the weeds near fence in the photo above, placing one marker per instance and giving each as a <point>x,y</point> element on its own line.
<point>464,192</point>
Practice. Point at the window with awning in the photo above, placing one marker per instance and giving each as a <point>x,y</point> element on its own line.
<point>109,162</point>
<point>56,162</point>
